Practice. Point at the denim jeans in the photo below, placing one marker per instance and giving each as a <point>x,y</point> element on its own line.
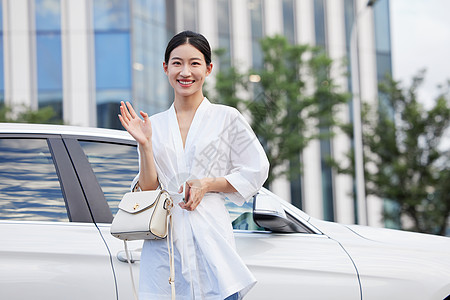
<point>233,297</point>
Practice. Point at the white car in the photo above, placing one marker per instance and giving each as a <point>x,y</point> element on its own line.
<point>59,190</point>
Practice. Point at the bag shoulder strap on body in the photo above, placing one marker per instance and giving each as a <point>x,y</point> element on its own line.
<point>170,251</point>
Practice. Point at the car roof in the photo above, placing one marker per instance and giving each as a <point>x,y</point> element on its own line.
<point>63,129</point>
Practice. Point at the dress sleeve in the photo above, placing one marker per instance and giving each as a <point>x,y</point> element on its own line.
<point>249,163</point>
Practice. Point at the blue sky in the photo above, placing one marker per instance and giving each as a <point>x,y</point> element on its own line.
<point>420,36</point>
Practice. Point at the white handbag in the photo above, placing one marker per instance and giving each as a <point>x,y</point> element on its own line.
<point>142,216</point>
<point>145,215</point>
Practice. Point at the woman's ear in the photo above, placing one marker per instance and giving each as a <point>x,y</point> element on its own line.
<point>165,67</point>
<point>209,69</point>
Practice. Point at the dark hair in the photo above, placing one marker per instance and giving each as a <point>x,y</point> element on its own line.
<point>189,37</point>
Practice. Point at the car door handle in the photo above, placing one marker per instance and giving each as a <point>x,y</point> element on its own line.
<point>135,255</point>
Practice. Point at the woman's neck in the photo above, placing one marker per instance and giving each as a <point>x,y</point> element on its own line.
<point>186,104</point>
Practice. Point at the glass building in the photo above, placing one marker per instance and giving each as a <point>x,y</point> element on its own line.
<point>83,57</point>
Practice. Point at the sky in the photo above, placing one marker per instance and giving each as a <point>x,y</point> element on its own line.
<point>420,37</point>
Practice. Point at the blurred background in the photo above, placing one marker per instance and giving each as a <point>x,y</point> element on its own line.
<point>74,61</point>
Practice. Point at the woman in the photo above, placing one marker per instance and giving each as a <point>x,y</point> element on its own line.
<point>212,150</point>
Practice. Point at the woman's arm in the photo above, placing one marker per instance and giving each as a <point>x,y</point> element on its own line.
<point>219,184</point>
<point>148,178</point>
<point>196,189</point>
<point>141,131</point>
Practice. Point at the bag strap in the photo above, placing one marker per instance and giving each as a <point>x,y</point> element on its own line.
<point>136,297</point>
<point>171,257</point>
<point>136,188</point>
<point>171,260</point>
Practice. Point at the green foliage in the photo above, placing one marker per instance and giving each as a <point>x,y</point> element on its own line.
<point>294,95</point>
<point>45,115</point>
<point>403,155</point>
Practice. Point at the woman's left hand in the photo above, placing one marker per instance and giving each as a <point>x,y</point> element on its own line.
<point>195,190</point>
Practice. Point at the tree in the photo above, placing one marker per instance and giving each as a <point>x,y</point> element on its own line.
<point>404,159</point>
<point>294,95</point>
<point>45,115</point>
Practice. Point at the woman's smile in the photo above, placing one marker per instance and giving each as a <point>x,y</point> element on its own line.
<point>185,83</point>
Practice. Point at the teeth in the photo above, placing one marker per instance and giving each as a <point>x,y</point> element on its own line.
<point>185,82</point>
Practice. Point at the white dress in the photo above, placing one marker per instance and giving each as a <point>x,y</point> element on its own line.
<point>220,143</point>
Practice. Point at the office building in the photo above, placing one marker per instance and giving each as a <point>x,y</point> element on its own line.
<point>83,57</point>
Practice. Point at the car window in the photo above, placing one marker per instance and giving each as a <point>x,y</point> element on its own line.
<point>115,166</point>
<point>29,186</point>
<point>242,216</point>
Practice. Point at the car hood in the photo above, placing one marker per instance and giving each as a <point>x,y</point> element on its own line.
<point>403,238</point>
<point>392,261</point>
<point>357,234</point>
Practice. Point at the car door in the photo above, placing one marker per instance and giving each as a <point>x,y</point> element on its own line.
<point>50,247</point>
<point>303,265</point>
<point>108,167</point>
<point>287,266</point>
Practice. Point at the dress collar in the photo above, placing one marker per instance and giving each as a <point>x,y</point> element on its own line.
<point>193,129</point>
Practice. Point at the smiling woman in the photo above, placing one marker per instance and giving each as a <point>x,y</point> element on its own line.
<point>212,151</point>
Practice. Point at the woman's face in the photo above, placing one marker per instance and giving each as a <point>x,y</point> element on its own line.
<point>187,70</point>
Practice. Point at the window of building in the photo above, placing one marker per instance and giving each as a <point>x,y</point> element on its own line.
<point>382,38</point>
<point>384,67</point>
<point>29,185</point>
<point>327,179</point>
<point>112,59</point>
<point>349,15</point>
<point>289,33</point>
<point>296,185</point>
<point>223,21</point>
<point>349,19</point>
<point>49,54</point>
<point>111,15</point>
<point>150,36</point>
<point>325,145</point>
<point>190,15</point>
<point>112,73</point>
<point>289,20</point>
<point>256,22</point>
<point>319,23</point>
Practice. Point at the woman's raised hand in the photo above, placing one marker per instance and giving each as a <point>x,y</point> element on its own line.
<point>140,130</point>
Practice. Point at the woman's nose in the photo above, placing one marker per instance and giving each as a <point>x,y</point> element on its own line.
<point>185,71</point>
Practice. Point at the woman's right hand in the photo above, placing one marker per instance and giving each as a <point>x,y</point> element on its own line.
<point>140,130</point>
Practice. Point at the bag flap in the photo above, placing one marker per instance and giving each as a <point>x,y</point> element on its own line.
<point>134,202</point>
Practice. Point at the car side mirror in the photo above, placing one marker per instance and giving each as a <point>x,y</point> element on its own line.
<point>269,214</point>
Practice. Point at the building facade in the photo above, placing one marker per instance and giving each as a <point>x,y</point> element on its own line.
<point>83,57</point>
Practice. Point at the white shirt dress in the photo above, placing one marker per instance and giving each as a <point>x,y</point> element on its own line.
<point>220,143</point>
